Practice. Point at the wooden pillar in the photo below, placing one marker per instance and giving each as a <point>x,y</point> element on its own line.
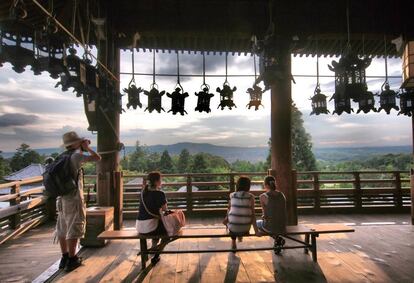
<point>281,129</point>
<point>108,127</point>
<point>412,174</point>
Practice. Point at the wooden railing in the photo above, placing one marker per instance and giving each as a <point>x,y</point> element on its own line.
<point>25,209</point>
<point>317,192</point>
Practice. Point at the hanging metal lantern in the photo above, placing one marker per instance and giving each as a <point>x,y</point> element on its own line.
<point>366,102</point>
<point>16,39</point>
<point>75,73</point>
<point>342,104</point>
<point>204,96</point>
<point>407,102</point>
<point>319,104</point>
<point>52,51</point>
<point>388,99</point>
<point>387,96</point>
<point>178,97</point>
<point>350,79</point>
<point>226,94</point>
<point>132,90</point>
<point>255,97</point>
<point>154,95</point>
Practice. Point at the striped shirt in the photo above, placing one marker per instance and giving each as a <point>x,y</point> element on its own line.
<point>240,214</point>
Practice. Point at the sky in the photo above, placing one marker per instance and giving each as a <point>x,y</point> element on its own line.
<point>33,111</point>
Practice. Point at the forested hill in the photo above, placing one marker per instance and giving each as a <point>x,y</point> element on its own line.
<point>255,154</point>
<point>338,154</point>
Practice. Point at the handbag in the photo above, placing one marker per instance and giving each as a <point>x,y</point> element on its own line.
<point>173,221</point>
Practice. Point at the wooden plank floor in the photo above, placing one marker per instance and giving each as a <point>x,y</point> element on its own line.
<point>381,250</point>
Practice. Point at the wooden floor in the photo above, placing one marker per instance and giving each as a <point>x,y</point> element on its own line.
<point>381,250</point>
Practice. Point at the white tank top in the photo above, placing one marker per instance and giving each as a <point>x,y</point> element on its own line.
<point>240,214</point>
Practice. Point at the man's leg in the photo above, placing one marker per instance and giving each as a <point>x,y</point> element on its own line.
<point>63,245</point>
<point>72,244</point>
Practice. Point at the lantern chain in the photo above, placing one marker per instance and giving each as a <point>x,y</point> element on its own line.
<point>385,58</point>
<point>226,82</point>
<point>204,69</point>
<point>133,67</point>
<point>153,69</point>
<point>178,71</point>
<point>255,71</point>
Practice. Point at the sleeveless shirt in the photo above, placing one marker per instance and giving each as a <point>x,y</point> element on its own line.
<point>240,214</point>
<point>275,212</point>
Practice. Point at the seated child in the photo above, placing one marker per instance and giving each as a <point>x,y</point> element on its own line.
<point>273,204</point>
<point>240,214</point>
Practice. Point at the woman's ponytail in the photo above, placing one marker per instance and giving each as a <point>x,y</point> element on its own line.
<point>152,179</point>
<point>270,182</point>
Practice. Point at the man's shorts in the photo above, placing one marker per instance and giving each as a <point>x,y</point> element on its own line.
<point>71,216</point>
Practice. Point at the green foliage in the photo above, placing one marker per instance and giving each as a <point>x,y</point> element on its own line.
<point>378,162</point>
<point>89,168</point>
<point>24,157</point>
<point>136,160</point>
<point>199,164</point>
<point>166,164</point>
<point>302,156</point>
<point>247,166</point>
<point>4,167</point>
<point>184,161</point>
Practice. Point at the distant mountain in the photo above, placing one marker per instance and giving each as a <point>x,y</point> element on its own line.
<point>255,154</point>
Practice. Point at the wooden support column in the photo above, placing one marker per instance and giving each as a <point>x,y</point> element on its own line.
<point>281,129</point>
<point>108,128</point>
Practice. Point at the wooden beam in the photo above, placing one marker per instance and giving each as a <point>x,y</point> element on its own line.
<point>108,122</point>
<point>281,130</point>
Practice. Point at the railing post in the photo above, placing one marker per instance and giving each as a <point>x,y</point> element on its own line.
<point>189,194</point>
<point>398,191</point>
<point>15,219</point>
<point>293,207</point>
<point>357,190</point>
<point>232,186</point>
<point>316,192</point>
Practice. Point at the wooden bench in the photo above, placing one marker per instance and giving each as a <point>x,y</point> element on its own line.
<point>310,232</point>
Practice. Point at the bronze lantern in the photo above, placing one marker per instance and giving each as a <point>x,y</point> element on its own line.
<point>407,102</point>
<point>75,73</point>
<point>319,104</point>
<point>387,99</point>
<point>366,102</point>
<point>341,104</point>
<point>17,39</point>
<point>350,79</point>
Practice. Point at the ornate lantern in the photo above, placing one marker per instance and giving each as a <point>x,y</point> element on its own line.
<point>178,97</point>
<point>132,90</point>
<point>319,105</point>
<point>75,73</point>
<point>255,97</point>
<point>154,95</point>
<point>341,103</point>
<point>366,102</point>
<point>226,94</point>
<point>387,96</point>
<point>204,96</point>
<point>16,39</point>
<point>407,102</point>
<point>51,52</point>
<point>350,80</point>
<point>408,65</point>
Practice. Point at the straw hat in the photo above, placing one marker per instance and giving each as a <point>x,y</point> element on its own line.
<point>71,138</point>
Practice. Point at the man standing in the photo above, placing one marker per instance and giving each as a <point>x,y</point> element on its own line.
<point>70,225</point>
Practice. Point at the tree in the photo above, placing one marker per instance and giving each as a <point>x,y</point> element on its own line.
<point>136,160</point>
<point>166,163</point>
<point>302,156</point>
<point>24,157</point>
<point>184,160</point>
<point>4,166</point>
<point>152,162</point>
<point>199,164</point>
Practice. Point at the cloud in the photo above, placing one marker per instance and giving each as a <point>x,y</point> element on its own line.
<point>16,119</point>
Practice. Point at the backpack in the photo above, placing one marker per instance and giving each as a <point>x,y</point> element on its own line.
<point>57,178</point>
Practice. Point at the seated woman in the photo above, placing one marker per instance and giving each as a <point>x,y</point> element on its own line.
<point>152,200</point>
<point>240,214</point>
<point>273,204</point>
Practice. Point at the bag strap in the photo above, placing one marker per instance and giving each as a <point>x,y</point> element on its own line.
<point>146,208</point>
